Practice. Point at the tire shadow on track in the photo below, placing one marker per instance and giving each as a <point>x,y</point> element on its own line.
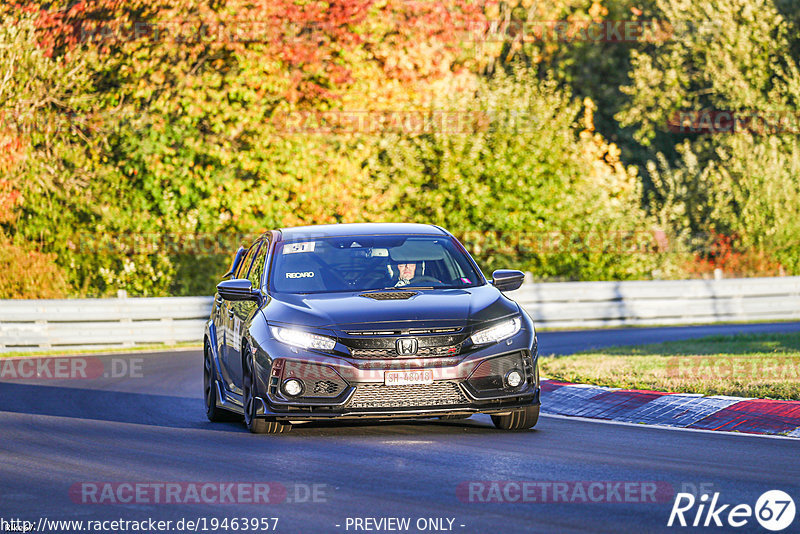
<point>187,413</point>
<point>386,427</point>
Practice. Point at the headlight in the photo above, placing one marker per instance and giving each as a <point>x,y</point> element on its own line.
<point>498,332</point>
<point>305,340</point>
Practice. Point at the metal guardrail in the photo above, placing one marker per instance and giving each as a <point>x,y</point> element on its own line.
<point>126,322</point>
<point>88,323</point>
<point>670,302</point>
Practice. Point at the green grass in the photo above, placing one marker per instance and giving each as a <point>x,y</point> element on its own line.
<point>72,352</point>
<point>753,365</point>
<point>657,325</point>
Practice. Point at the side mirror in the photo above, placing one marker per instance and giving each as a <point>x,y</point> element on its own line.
<point>238,289</point>
<point>237,259</point>
<point>507,280</point>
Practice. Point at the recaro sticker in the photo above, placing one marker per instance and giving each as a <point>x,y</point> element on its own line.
<point>306,274</point>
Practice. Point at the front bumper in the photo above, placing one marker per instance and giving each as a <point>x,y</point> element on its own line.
<point>344,386</point>
<point>312,412</point>
<point>473,385</point>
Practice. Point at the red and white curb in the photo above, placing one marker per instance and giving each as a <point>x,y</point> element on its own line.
<point>683,410</point>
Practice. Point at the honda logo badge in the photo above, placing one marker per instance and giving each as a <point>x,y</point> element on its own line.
<point>407,346</point>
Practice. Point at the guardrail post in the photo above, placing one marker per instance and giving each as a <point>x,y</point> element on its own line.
<point>127,321</point>
<point>167,321</point>
<point>44,344</point>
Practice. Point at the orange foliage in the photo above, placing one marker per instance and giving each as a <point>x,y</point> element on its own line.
<point>11,151</point>
<point>722,254</point>
<point>316,43</point>
<point>9,199</point>
<point>28,274</point>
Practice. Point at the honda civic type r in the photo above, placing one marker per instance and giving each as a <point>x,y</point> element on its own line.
<point>354,321</point>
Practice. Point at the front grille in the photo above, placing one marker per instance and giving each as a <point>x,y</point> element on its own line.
<point>374,353</point>
<point>442,393</point>
<point>424,352</point>
<point>390,295</point>
<point>439,342</point>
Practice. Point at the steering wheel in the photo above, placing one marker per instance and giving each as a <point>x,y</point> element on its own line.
<point>418,279</point>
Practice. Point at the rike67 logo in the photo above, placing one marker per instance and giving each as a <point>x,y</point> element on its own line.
<point>774,510</point>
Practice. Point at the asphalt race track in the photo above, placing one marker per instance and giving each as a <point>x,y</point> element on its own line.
<point>148,426</point>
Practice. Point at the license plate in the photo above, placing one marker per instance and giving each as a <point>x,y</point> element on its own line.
<point>403,378</point>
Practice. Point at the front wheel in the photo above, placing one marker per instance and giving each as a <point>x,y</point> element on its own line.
<point>256,425</point>
<point>213,412</point>
<point>518,420</point>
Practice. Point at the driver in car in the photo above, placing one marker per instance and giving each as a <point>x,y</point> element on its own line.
<point>405,273</point>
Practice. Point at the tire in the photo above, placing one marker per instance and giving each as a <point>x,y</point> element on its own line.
<point>518,420</point>
<point>256,425</point>
<point>214,413</point>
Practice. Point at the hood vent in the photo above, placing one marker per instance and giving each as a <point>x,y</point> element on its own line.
<point>404,332</point>
<point>390,295</point>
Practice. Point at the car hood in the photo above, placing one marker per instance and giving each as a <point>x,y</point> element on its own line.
<point>429,308</point>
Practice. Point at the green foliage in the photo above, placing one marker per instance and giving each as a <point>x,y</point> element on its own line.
<point>587,67</point>
<point>46,163</point>
<point>551,201</point>
<point>736,59</point>
<point>743,184</point>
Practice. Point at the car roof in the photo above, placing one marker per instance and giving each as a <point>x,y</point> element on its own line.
<point>354,229</point>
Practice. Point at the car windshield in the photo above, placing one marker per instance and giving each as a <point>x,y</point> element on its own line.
<point>361,263</point>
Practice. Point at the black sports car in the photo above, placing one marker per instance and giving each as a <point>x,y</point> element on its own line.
<point>367,320</point>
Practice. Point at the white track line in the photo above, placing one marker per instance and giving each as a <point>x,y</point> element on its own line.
<point>664,427</point>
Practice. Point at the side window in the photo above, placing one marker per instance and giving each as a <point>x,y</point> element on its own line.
<point>257,271</point>
<point>244,267</point>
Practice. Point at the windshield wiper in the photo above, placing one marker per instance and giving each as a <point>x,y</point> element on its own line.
<point>403,288</point>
